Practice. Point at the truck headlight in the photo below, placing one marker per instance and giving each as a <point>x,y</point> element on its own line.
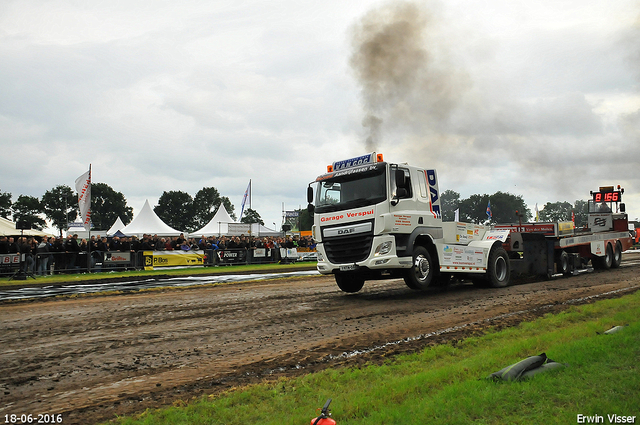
<point>383,248</point>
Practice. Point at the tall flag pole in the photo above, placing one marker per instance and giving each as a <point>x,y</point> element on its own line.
<point>83,187</point>
<point>247,196</point>
<point>537,212</point>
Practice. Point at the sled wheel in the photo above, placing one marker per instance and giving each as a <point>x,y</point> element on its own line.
<point>421,273</point>
<point>563,262</point>
<point>617,256</point>
<point>607,260</point>
<point>350,282</point>
<point>498,269</point>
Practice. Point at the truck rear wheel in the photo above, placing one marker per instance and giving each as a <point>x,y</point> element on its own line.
<point>349,282</point>
<point>617,255</point>
<point>421,273</point>
<point>498,269</point>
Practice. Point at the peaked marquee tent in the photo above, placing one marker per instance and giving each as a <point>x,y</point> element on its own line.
<point>218,226</point>
<point>147,221</point>
<point>118,225</point>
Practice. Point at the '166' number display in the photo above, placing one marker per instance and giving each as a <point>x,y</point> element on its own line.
<point>606,196</point>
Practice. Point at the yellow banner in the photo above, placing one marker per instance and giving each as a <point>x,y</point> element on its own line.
<point>172,258</point>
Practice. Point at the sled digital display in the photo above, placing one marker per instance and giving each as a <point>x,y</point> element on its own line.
<point>615,196</point>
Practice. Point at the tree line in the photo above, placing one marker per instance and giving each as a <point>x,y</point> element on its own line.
<point>183,212</point>
<point>59,206</point>
<point>508,208</point>
<point>505,208</point>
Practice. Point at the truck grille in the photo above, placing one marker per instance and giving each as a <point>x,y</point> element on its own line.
<point>348,248</point>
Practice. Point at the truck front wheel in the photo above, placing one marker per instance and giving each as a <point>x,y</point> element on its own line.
<point>349,282</point>
<point>421,273</point>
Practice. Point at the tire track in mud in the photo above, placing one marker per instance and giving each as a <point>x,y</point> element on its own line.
<point>95,357</point>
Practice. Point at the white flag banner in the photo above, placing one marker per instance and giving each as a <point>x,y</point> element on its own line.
<point>246,199</point>
<point>83,187</point>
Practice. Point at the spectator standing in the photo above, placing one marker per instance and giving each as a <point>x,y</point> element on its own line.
<point>42,256</point>
<point>4,245</point>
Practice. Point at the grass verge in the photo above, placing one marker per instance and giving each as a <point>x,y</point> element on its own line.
<point>445,384</point>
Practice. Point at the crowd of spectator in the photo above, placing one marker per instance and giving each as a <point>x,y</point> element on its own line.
<point>44,254</point>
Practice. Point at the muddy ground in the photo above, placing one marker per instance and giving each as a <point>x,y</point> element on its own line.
<point>95,357</point>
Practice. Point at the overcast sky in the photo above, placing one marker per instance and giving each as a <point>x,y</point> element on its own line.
<point>538,99</point>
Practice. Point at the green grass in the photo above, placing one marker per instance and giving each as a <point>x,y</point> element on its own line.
<point>446,384</point>
<point>192,271</point>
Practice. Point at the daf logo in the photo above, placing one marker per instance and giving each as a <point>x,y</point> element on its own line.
<point>346,231</point>
<point>353,229</point>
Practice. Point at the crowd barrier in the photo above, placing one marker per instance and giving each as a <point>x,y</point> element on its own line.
<point>104,261</point>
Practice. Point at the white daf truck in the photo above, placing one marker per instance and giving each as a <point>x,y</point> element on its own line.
<point>376,220</point>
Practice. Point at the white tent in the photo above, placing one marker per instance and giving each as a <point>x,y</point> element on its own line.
<point>218,226</point>
<point>148,222</point>
<point>118,225</point>
<point>8,228</point>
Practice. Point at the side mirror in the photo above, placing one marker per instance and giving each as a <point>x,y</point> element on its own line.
<point>310,207</point>
<point>309,194</point>
<point>623,207</point>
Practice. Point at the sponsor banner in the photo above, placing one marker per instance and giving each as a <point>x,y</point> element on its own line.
<point>232,255</point>
<point>302,249</point>
<point>288,253</point>
<point>172,258</point>
<point>116,257</point>
<point>546,228</point>
<point>496,235</point>
<point>600,222</point>
<point>291,214</point>
<point>566,227</point>
<point>339,217</point>
<point>239,228</point>
<point>467,232</point>
<point>454,255</point>
<point>83,187</point>
<point>354,162</point>
<point>9,259</point>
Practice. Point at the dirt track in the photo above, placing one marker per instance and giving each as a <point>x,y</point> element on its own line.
<point>93,357</point>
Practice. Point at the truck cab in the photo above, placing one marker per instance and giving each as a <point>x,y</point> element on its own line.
<point>374,220</point>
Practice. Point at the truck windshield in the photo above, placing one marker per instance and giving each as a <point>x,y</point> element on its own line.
<point>352,190</point>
